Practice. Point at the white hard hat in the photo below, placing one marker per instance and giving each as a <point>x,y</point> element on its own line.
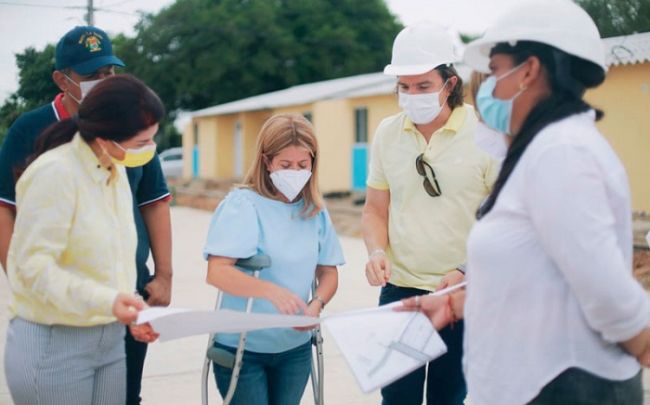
<point>419,49</point>
<point>558,23</point>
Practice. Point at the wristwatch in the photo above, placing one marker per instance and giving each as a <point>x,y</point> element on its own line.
<point>316,297</point>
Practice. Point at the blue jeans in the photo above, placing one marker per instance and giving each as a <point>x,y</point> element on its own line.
<point>268,378</point>
<point>579,387</point>
<point>445,383</point>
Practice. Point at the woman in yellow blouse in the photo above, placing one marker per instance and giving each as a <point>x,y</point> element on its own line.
<point>71,263</point>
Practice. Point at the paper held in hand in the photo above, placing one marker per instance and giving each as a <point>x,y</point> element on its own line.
<point>379,345</point>
<point>175,323</point>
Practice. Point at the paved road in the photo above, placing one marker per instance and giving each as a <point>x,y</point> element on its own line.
<point>173,369</point>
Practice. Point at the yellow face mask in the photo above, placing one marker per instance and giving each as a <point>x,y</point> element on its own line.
<point>136,157</point>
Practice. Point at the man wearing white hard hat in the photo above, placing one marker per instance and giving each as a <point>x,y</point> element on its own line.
<point>427,178</point>
<point>553,313</point>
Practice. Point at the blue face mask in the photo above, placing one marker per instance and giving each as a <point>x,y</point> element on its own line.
<point>496,113</point>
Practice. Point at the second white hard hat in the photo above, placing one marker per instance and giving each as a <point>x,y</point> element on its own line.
<point>419,49</point>
<point>558,23</point>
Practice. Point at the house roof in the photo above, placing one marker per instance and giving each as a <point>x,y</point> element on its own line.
<point>623,50</point>
<point>370,84</point>
<point>353,86</point>
<point>627,49</point>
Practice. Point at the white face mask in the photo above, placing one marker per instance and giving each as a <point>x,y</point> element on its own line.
<point>290,182</point>
<point>421,108</point>
<point>85,87</point>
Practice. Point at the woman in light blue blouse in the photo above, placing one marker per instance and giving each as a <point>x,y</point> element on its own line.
<point>277,211</point>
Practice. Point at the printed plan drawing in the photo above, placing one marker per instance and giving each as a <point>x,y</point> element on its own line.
<point>381,345</point>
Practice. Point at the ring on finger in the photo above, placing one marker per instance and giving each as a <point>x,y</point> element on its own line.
<point>417,301</point>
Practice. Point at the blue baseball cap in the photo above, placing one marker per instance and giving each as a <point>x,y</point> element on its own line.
<point>85,50</point>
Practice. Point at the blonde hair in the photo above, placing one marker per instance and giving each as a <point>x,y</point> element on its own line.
<point>475,80</point>
<point>277,133</point>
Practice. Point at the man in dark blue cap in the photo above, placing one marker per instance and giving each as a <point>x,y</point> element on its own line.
<point>84,56</point>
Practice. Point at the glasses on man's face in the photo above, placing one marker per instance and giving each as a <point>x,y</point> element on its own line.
<point>426,171</point>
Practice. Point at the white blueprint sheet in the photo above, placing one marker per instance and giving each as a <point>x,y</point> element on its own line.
<point>174,323</point>
<point>379,344</point>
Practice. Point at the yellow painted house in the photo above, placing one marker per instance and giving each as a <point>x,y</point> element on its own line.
<point>625,99</point>
<point>220,141</point>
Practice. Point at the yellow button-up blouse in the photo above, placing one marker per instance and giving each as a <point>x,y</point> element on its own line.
<point>74,241</point>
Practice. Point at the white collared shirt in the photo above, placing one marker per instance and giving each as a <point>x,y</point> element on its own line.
<point>550,270</point>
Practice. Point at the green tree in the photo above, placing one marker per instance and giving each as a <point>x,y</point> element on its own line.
<point>35,85</point>
<point>198,53</point>
<point>618,17</point>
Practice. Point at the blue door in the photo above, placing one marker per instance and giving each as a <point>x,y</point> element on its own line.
<point>195,161</point>
<point>359,166</point>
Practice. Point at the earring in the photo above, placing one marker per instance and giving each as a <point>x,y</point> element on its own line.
<point>522,87</point>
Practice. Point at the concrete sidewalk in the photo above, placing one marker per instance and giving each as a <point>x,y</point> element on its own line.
<point>173,369</point>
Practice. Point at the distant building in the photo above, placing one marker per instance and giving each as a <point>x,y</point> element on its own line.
<point>625,99</point>
<point>220,141</point>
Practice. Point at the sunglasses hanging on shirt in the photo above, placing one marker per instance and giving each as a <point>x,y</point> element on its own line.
<point>425,170</point>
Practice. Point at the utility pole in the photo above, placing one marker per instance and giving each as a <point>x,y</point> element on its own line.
<point>90,16</point>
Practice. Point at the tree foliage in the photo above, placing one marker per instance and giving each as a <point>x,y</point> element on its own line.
<point>618,17</point>
<point>197,53</point>
<point>35,85</point>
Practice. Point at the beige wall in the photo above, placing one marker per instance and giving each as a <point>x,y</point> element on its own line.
<point>379,107</point>
<point>333,121</point>
<point>625,99</point>
<point>207,127</point>
<point>298,109</point>
<point>251,124</point>
<point>224,151</point>
<point>334,125</point>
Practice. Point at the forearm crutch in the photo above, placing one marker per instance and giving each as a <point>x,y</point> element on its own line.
<point>221,356</point>
<point>317,369</point>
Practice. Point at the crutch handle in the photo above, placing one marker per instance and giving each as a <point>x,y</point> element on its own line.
<point>254,263</point>
<point>222,357</point>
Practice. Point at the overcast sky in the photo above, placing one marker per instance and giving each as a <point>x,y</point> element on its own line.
<point>36,23</point>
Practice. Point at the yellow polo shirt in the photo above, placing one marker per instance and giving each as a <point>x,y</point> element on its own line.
<point>73,246</point>
<point>427,235</point>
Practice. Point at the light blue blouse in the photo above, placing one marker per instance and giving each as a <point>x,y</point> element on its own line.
<point>245,224</point>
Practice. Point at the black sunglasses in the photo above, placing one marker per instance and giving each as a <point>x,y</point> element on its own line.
<point>433,189</point>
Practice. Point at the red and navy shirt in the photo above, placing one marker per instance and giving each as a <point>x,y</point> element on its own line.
<point>147,182</point>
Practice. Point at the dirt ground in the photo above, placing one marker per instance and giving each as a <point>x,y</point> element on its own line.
<point>642,267</point>
<point>346,215</point>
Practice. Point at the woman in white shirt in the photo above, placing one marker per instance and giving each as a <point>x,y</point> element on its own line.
<point>553,314</point>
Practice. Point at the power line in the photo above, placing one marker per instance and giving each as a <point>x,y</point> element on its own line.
<point>119,3</point>
<point>35,5</point>
<point>11,3</point>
